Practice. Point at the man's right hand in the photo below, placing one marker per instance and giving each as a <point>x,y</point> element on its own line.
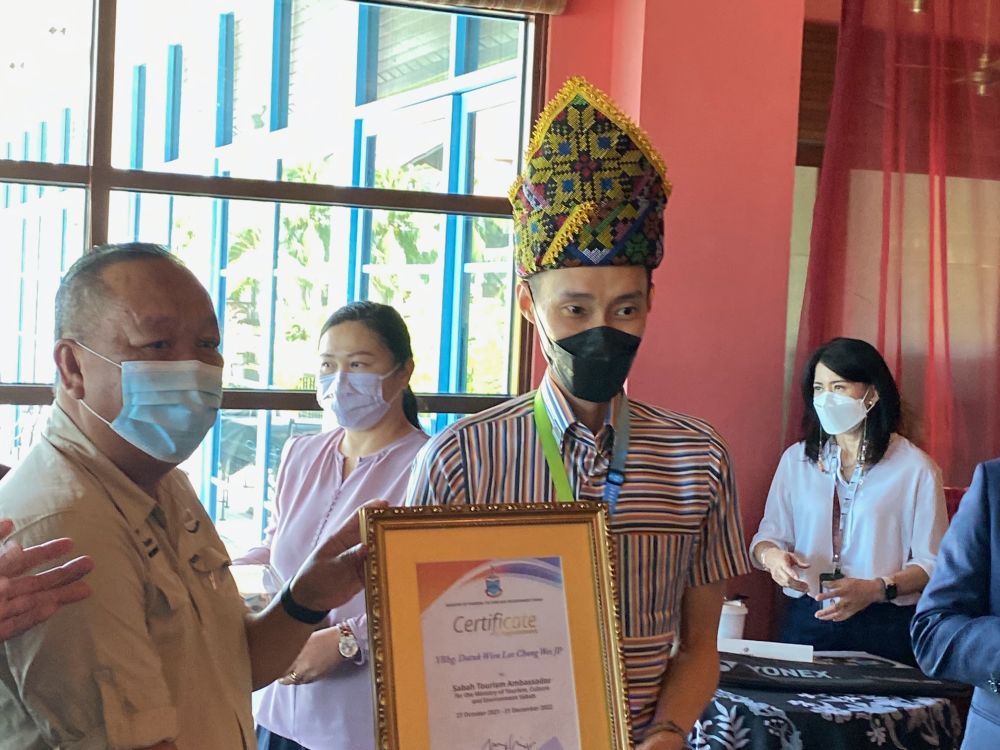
<point>335,571</point>
<point>27,600</point>
<point>784,566</point>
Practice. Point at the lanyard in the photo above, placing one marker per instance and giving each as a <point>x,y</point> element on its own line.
<point>557,469</point>
<point>839,519</point>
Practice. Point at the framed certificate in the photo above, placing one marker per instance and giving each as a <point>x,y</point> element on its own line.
<point>495,628</point>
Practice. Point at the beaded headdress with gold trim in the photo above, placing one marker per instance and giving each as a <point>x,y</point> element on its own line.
<point>593,188</point>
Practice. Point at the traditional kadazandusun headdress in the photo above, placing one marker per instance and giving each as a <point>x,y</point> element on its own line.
<point>593,188</point>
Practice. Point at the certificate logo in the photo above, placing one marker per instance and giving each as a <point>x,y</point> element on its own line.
<point>493,587</point>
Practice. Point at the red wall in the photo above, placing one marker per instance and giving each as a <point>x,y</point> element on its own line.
<point>715,84</point>
<point>580,45</point>
<point>824,11</point>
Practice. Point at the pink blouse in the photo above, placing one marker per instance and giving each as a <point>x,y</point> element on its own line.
<point>312,500</point>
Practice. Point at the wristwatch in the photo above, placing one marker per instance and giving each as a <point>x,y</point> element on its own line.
<point>889,586</point>
<point>348,644</point>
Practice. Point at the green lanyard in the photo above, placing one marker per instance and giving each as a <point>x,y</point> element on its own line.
<point>554,459</point>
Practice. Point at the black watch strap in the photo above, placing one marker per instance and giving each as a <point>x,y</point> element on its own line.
<point>891,590</point>
<point>296,611</point>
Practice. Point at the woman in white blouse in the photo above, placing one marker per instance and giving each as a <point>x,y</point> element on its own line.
<point>855,512</point>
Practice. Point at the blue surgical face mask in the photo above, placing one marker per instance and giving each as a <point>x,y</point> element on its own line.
<point>167,407</point>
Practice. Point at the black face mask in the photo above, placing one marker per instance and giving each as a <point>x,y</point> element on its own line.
<point>592,364</point>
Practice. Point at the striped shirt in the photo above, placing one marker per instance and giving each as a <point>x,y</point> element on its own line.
<point>677,522</point>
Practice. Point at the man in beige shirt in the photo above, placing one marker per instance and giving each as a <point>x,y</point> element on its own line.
<point>163,655</point>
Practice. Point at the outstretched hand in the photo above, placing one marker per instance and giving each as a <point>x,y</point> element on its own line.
<point>784,568</point>
<point>335,571</point>
<point>29,599</point>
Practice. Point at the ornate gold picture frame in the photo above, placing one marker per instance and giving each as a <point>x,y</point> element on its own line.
<point>495,627</point>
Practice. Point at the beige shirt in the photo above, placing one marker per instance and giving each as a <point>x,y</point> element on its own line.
<point>159,651</point>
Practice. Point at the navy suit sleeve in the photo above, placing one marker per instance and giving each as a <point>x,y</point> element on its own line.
<point>955,636</point>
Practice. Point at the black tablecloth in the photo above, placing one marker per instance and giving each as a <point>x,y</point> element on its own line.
<point>766,720</point>
<point>848,703</point>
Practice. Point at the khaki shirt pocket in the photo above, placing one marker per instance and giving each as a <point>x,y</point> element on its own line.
<point>217,590</point>
<point>210,566</point>
<point>169,603</point>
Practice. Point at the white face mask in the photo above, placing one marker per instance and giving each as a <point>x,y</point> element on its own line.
<point>354,398</point>
<point>839,413</point>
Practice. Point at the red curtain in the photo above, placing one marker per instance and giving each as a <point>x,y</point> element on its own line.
<point>905,243</point>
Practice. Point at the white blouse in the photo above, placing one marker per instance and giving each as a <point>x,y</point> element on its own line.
<point>897,518</point>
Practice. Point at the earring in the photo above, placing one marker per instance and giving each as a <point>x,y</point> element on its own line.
<point>863,452</point>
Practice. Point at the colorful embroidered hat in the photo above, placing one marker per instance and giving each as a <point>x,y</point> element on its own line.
<point>593,188</point>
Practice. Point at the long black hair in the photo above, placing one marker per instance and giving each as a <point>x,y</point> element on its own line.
<point>386,323</point>
<point>859,362</point>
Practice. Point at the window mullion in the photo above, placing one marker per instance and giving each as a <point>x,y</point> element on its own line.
<point>295,192</point>
<point>278,400</point>
<point>101,115</point>
<point>19,171</point>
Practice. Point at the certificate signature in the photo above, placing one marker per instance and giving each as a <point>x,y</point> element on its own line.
<point>509,744</point>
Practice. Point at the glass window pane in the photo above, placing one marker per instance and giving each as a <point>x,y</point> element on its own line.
<point>461,331</point>
<point>499,40</point>
<point>489,307</point>
<point>20,428</point>
<point>413,49</point>
<point>409,149</point>
<point>296,90</point>
<point>42,233</point>
<point>45,80</point>
<point>404,269</point>
<point>494,156</point>
<point>235,471</point>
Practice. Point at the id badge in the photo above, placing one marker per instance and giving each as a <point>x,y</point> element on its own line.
<point>824,579</point>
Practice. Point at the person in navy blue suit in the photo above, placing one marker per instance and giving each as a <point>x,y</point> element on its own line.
<point>956,630</point>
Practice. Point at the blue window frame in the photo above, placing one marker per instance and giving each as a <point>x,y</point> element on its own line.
<point>225,80</point>
<point>281,60</point>
<point>175,82</point>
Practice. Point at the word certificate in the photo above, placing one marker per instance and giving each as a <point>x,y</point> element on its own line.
<point>497,656</point>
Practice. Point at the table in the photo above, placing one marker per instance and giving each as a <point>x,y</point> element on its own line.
<point>832,703</point>
<point>763,720</point>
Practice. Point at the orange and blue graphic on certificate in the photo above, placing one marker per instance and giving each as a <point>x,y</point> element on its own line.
<point>497,656</point>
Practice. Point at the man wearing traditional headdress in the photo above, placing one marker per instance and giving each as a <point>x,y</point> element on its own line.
<point>588,213</point>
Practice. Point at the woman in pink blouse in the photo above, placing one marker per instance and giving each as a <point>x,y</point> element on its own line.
<point>325,700</point>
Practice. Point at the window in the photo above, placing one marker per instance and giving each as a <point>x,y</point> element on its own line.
<point>296,154</point>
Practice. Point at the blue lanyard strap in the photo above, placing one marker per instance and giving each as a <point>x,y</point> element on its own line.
<point>553,455</point>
